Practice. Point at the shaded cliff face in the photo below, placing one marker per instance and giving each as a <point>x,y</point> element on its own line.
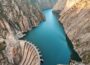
<point>43,4</point>
<point>18,16</point>
<point>76,22</point>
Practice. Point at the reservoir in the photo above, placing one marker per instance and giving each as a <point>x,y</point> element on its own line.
<point>50,38</point>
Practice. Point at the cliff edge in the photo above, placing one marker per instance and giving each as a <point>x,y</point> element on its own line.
<point>16,18</point>
<point>76,22</point>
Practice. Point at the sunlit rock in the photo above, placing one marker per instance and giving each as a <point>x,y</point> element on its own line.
<point>64,5</point>
<point>76,21</point>
<point>16,18</point>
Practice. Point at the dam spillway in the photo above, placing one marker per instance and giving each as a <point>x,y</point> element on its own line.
<point>30,54</point>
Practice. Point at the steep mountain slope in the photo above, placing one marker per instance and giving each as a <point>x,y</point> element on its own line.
<point>16,17</point>
<point>76,22</point>
<point>42,4</point>
<point>59,6</point>
<point>63,5</point>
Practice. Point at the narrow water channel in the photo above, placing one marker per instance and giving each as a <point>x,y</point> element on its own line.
<point>50,38</point>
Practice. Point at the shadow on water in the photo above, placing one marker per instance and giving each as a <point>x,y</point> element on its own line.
<point>74,54</point>
<point>49,51</point>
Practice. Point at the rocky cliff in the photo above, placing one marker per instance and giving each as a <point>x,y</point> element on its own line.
<point>18,52</point>
<point>76,22</point>
<point>59,6</point>
<point>63,5</point>
<point>43,4</point>
<point>16,17</point>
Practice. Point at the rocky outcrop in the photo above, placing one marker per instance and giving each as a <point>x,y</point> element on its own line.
<point>59,6</point>
<point>76,22</point>
<point>44,4</point>
<point>18,52</point>
<point>18,16</point>
<point>63,5</point>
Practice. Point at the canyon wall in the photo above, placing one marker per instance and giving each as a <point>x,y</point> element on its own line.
<point>59,6</point>
<point>76,22</point>
<point>63,5</point>
<point>18,52</point>
<point>43,4</point>
<point>16,18</point>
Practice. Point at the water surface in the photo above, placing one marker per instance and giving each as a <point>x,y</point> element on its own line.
<point>50,38</point>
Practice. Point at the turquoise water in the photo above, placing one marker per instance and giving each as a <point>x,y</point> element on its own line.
<point>50,38</point>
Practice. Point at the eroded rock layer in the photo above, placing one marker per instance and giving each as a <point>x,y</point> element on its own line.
<point>45,4</point>
<point>63,5</point>
<point>76,22</point>
<point>18,16</point>
<point>18,52</point>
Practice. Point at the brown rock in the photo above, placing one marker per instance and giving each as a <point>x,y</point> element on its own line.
<point>76,22</point>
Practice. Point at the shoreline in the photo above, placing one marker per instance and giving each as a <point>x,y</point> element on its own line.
<point>74,56</point>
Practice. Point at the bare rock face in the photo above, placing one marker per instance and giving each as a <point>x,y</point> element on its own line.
<point>59,6</point>
<point>45,4</point>
<point>76,22</point>
<point>69,4</point>
<point>18,16</point>
<point>19,52</point>
<point>64,5</point>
